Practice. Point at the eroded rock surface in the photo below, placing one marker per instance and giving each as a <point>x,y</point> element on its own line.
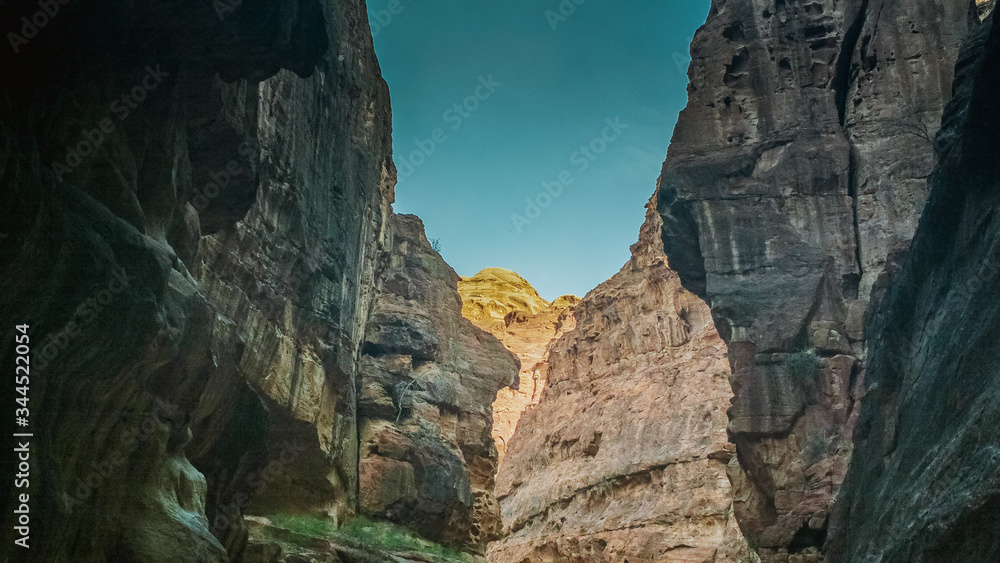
<point>490,295</point>
<point>504,304</point>
<point>198,281</point>
<point>799,163</point>
<point>293,284</point>
<point>428,378</point>
<point>625,456</point>
<point>925,476</point>
<point>113,122</point>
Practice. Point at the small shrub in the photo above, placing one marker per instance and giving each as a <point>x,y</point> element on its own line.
<point>818,445</point>
<point>803,365</point>
<point>725,373</point>
<point>603,488</point>
<point>436,245</point>
<point>400,395</point>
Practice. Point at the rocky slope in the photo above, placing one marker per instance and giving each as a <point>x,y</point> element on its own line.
<point>193,236</point>
<point>798,165</point>
<point>504,304</point>
<point>625,456</point>
<point>428,377</point>
<point>923,482</point>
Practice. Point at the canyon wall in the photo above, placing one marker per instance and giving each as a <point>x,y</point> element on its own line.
<point>428,378</point>
<point>798,167</point>
<point>292,284</point>
<point>195,209</point>
<point>624,457</point>
<point>112,118</point>
<point>925,476</point>
<point>504,304</point>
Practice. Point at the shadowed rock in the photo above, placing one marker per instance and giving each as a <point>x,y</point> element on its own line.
<point>798,166</point>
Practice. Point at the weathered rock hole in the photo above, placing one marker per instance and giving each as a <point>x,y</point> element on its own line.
<point>820,74</point>
<point>828,43</point>
<point>807,538</point>
<point>735,33</point>
<point>813,9</point>
<point>736,70</point>
<point>814,31</point>
<point>779,9</point>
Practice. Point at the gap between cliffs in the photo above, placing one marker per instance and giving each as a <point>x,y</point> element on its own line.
<point>616,429</point>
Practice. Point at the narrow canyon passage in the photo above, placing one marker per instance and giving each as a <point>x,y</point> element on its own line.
<point>620,449</point>
<point>230,340</point>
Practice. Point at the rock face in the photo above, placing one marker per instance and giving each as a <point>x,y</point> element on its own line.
<point>799,163</point>
<point>504,304</point>
<point>121,144</point>
<point>428,377</point>
<point>293,283</point>
<point>193,236</point>
<point>923,482</point>
<point>625,456</point>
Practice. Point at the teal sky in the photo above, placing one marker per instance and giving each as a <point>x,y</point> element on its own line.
<point>543,93</point>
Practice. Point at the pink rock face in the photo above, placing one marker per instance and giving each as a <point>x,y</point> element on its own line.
<point>504,304</point>
<point>625,455</point>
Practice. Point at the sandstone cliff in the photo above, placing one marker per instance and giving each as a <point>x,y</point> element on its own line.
<point>625,456</point>
<point>428,378</point>
<point>925,476</point>
<point>292,285</point>
<point>193,236</point>
<point>799,163</point>
<point>504,304</point>
<point>113,122</point>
